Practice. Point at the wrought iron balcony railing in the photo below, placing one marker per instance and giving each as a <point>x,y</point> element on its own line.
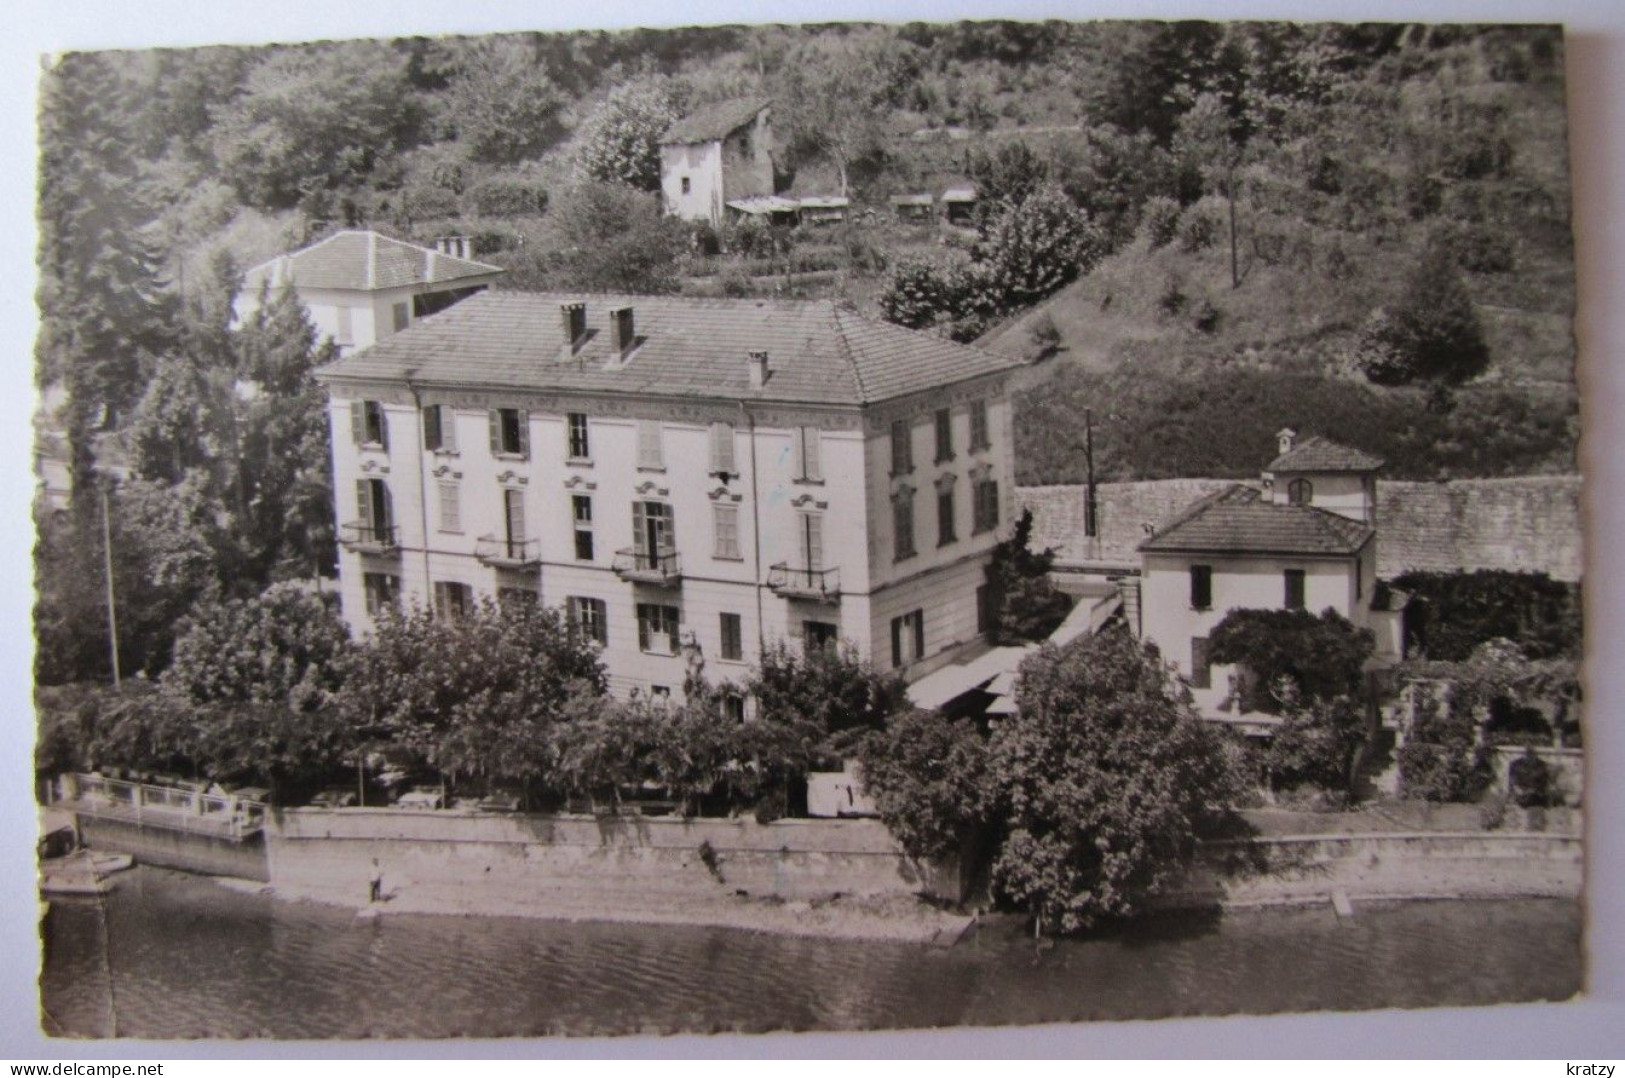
<point>508,553</point>
<point>820,585</point>
<point>367,538</point>
<point>645,568</point>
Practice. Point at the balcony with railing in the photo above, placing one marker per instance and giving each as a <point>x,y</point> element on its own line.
<point>502,553</point>
<point>642,567</point>
<point>819,585</point>
<point>363,537</point>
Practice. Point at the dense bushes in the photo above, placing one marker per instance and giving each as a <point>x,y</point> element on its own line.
<point>1321,656</point>
<point>1451,614</point>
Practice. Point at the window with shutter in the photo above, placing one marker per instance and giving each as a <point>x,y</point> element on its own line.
<point>945,515</point>
<point>581,511</point>
<point>650,451</point>
<point>985,506</point>
<point>733,638</point>
<point>367,425</point>
<point>1300,492</point>
<point>451,516</point>
<point>902,449</point>
<point>1294,579</point>
<point>978,426</point>
<point>513,506</point>
<point>589,617</point>
<point>808,466</point>
<point>510,432</point>
<point>812,541</point>
<point>902,525</point>
<point>908,638</point>
<point>580,445</point>
<point>431,427</point>
<point>345,335</point>
<point>945,435</point>
<point>722,449</point>
<point>1202,587</point>
<point>725,529</point>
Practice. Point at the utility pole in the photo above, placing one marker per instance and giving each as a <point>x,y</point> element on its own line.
<point>107,565</point>
<point>1090,524</point>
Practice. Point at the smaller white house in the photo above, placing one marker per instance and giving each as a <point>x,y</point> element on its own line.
<point>361,286</point>
<point>1306,539</point>
<point>715,156</point>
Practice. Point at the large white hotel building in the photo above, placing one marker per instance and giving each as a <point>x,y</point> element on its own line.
<point>691,479</point>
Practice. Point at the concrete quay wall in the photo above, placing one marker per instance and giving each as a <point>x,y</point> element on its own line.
<point>598,858</point>
<point>185,850</point>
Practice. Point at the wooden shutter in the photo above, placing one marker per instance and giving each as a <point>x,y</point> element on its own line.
<point>806,449</point>
<point>388,503</point>
<point>919,634</point>
<point>649,455</point>
<point>897,641</point>
<point>901,462</point>
<point>451,517</point>
<point>524,433</point>
<point>670,614</point>
<point>515,507</point>
<point>644,611</point>
<point>495,419</point>
<point>431,427</point>
<point>358,422</point>
<point>448,428</point>
<point>383,427</point>
<point>813,540</point>
<point>668,533</point>
<point>363,501</point>
<point>722,448</point>
<point>640,528</point>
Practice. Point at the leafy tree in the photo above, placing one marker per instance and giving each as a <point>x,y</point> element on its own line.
<point>1106,774</point>
<point>921,292</point>
<point>835,92</point>
<point>285,647</point>
<point>602,747</point>
<point>824,692</point>
<point>1321,657</point>
<point>620,141</point>
<point>177,426</point>
<point>929,777</point>
<point>1034,248</point>
<point>499,101</point>
<point>1433,327</point>
<point>472,695</point>
<point>1441,759</point>
<point>616,239</point>
<point>314,119</point>
<point>1027,605</point>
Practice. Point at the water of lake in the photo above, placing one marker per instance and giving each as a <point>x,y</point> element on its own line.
<point>169,955</point>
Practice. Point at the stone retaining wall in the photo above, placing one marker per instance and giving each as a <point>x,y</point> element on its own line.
<point>184,850</point>
<point>1528,523</point>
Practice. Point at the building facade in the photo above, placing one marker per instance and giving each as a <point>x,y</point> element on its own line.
<point>716,155</point>
<point>1306,540</point>
<point>360,287</point>
<point>690,480</point>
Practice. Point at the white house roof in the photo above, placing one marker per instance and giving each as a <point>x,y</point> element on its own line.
<point>365,261</point>
<point>762,204</point>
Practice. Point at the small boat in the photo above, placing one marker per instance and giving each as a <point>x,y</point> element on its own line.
<point>81,873</point>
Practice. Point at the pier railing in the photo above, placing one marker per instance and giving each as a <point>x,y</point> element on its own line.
<point>174,808</point>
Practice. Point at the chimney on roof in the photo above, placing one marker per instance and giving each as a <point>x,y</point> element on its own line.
<point>1284,438</point>
<point>758,370</point>
<point>574,318</point>
<point>625,336</point>
<point>455,246</point>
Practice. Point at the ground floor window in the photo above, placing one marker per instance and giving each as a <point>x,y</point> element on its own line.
<point>908,638</point>
<point>453,600</point>
<point>382,590</point>
<point>984,608</point>
<point>733,705</point>
<point>657,629</point>
<point>820,636</point>
<point>588,616</point>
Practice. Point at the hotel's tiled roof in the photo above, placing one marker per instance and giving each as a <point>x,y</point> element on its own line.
<point>1317,454</point>
<point>712,122</point>
<point>818,353</point>
<point>364,261</point>
<point>1237,520</point>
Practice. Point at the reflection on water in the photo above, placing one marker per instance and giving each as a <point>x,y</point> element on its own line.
<point>169,955</point>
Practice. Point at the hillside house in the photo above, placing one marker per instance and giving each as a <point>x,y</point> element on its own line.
<point>959,206</point>
<point>717,155</point>
<point>1306,541</point>
<point>360,287</point>
<point>918,208</point>
<point>690,479</point>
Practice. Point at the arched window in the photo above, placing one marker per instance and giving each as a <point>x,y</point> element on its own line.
<point>1300,492</point>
